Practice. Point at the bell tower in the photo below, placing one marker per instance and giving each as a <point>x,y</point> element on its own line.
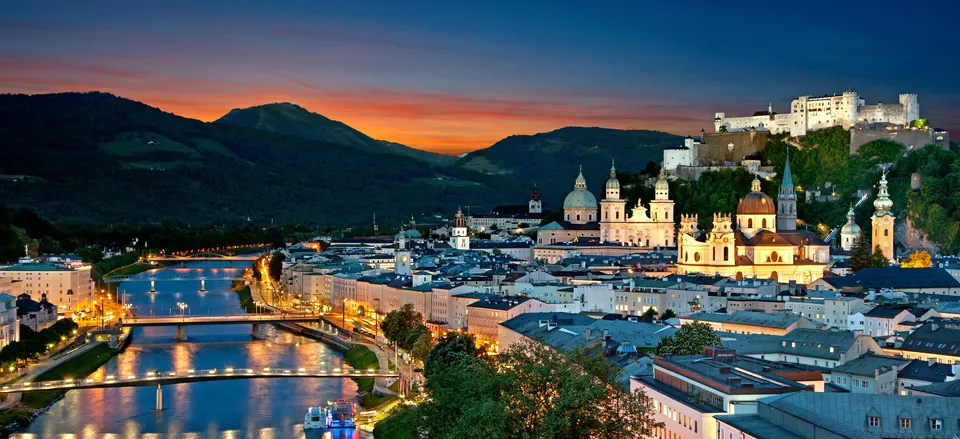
<point>787,201</point>
<point>460,240</point>
<point>883,221</point>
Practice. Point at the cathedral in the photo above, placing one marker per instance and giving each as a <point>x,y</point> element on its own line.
<point>764,242</point>
<point>611,220</point>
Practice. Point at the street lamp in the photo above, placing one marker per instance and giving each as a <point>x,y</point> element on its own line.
<point>343,315</point>
<point>182,307</point>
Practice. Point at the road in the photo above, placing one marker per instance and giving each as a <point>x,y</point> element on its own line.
<point>40,368</point>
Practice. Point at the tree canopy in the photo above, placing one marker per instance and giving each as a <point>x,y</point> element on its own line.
<point>917,259</point>
<point>529,391</point>
<point>397,325</point>
<point>690,339</point>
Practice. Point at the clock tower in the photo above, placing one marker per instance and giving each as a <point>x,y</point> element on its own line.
<point>403,257</point>
<point>460,240</point>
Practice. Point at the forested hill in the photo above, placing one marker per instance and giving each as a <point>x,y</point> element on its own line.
<point>553,158</point>
<point>99,157</point>
<point>286,118</point>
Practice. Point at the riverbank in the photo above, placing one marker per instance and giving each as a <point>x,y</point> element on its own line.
<point>399,425</point>
<point>362,358</point>
<point>33,404</point>
<point>246,296</point>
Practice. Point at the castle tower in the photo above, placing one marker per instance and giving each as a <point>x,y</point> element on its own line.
<point>459,239</point>
<point>535,206</point>
<point>911,108</point>
<point>850,231</point>
<point>787,201</point>
<point>883,220</point>
<point>850,108</point>
<point>719,120</point>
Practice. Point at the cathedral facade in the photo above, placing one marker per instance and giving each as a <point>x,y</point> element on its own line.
<point>611,220</point>
<point>762,243</point>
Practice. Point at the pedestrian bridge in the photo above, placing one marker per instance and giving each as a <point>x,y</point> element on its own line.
<point>205,257</point>
<point>180,277</point>
<point>193,376</point>
<point>220,320</point>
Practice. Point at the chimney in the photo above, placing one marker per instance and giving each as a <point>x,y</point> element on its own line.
<point>724,370</point>
<point>606,334</point>
<point>551,326</point>
<point>733,381</point>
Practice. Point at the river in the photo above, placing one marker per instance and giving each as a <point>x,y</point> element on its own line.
<point>256,408</point>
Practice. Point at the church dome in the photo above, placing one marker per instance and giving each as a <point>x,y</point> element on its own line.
<point>756,203</point>
<point>850,229</point>
<point>580,197</point>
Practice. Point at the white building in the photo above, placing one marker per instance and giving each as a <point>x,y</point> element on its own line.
<point>64,287</point>
<point>684,155</point>
<point>813,113</point>
<point>9,325</point>
<point>460,240</point>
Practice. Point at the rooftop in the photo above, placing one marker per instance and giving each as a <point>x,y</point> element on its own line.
<point>34,267</point>
<point>752,318</point>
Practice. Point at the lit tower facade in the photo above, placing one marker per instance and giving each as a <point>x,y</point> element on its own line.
<point>883,220</point>
<point>535,206</point>
<point>787,201</point>
<point>611,206</point>
<point>460,240</point>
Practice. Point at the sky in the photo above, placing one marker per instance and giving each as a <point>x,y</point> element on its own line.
<point>457,75</point>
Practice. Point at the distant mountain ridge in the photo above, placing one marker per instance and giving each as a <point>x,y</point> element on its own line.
<point>294,120</point>
<point>552,158</point>
<point>98,157</point>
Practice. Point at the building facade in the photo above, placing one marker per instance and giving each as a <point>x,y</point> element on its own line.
<point>64,287</point>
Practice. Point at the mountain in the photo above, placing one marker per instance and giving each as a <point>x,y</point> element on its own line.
<point>552,159</point>
<point>290,119</point>
<point>99,157</point>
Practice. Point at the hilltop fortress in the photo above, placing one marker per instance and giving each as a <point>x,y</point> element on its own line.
<point>813,113</point>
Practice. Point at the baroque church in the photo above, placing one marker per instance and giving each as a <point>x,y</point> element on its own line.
<point>611,220</point>
<point>764,242</point>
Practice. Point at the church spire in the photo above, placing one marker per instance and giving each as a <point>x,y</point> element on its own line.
<point>786,186</point>
<point>755,185</point>
<point>580,183</point>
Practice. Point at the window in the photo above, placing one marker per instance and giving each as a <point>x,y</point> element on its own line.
<point>886,232</point>
<point>904,423</point>
<point>873,421</point>
<point>936,424</point>
<point>764,223</point>
<point>750,223</point>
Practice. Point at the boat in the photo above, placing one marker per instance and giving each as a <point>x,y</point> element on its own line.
<point>314,419</point>
<point>341,414</point>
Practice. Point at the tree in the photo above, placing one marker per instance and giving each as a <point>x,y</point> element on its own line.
<point>531,391</point>
<point>917,259</point>
<point>410,338</point>
<point>878,260</point>
<point>449,348</point>
<point>275,269</point>
<point>667,314</point>
<point>689,340</point>
<point>90,255</point>
<point>422,346</point>
<point>650,313</point>
<point>398,323</point>
<point>860,257</point>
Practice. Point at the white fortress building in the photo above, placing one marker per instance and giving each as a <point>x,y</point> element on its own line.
<point>813,113</point>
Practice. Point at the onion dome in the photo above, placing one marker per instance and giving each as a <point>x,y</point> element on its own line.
<point>851,227</point>
<point>612,182</point>
<point>883,203</point>
<point>662,184</point>
<point>756,202</point>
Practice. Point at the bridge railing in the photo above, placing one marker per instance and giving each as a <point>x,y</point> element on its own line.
<point>198,375</point>
<point>291,317</point>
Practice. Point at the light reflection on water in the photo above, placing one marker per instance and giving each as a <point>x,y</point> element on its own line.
<point>256,408</point>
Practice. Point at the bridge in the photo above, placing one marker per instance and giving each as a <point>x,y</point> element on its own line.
<point>259,321</point>
<point>204,257</point>
<point>184,277</point>
<point>192,376</point>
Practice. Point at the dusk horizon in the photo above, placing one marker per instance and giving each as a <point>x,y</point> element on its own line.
<point>456,78</point>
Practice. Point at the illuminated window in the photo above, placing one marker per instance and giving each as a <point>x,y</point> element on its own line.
<point>904,423</point>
